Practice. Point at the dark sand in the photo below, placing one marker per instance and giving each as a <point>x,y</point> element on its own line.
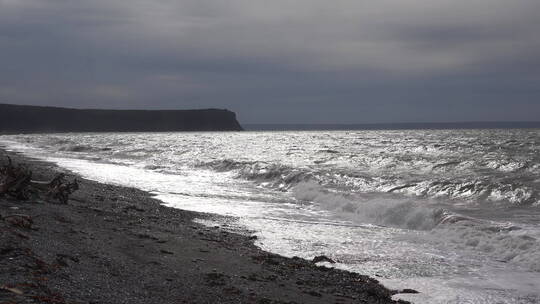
<point>119,245</point>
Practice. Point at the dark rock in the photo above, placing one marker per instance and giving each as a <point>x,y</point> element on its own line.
<point>232,290</point>
<point>408,290</point>
<point>135,208</point>
<point>215,279</point>
<point>322,258</point>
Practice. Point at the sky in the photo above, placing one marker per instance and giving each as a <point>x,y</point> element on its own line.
<point>279,61</point>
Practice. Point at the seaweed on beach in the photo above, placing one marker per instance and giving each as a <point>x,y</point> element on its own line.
<point>16,182</point>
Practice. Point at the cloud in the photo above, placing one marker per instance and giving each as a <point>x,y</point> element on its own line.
<point>365,57</point>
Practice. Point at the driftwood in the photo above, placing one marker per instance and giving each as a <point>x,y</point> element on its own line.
<point>16,182</point>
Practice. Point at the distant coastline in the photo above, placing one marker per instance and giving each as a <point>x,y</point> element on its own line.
<point>36,119</point>
<point>393,126</point>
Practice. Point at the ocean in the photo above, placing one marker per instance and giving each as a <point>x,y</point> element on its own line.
<point>454,214</point>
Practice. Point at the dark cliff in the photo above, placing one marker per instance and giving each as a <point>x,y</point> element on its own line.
<point>33,119</point>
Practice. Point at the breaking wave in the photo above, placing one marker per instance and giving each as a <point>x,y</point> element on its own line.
<point>379,211</point>
<point>503,242</point>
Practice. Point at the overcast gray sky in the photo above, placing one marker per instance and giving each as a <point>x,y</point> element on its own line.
<point>279,61</point>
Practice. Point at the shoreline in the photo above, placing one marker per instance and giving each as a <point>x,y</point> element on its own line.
<point>112,244</point>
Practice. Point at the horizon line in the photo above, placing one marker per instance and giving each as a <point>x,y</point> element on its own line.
<point>388,123</point>
<point>392,126</point>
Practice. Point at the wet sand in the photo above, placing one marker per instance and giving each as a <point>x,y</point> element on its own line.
<point>113,244</point>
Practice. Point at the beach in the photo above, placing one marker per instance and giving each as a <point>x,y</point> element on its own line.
<point>452,214</point>
<point>112,244</point>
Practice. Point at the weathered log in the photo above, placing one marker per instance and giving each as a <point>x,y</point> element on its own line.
<point>60,190</point>
<point>17,182</point>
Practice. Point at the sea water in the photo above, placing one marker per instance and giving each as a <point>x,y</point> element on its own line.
<point>454,214</point>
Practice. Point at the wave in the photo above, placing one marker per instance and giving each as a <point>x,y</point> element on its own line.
<point>503,242</point>
<point>153,167</point>
<point>384,211</point>
<point>225,165</point>
<point>272,175</point>
<point>447,164</point>
<point>76,148</point>
<point>473,191</point>
<point>59,144</point>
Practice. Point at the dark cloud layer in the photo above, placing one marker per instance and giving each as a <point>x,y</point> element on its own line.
<point>304,61</point>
